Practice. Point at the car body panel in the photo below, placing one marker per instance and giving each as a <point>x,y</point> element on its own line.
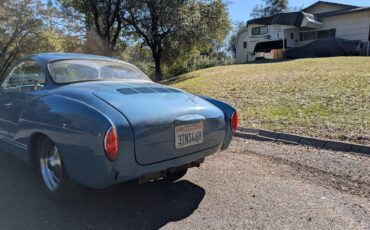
<point>76,117</point>
<point>154,131</point>
<point>228,113</point>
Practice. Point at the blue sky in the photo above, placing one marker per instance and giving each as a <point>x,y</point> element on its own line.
<point>240,10</point>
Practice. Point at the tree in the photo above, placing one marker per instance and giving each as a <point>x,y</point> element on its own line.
<point>106,16</point>
<point>152,21</point>
<point>269,8</point>
<point>54,40</point>
<point>21,26</point>
<point>170,29</point>
<point>238,27</point>
<point>101,20</point>
<point>174,27</point>
<point>202,31</point>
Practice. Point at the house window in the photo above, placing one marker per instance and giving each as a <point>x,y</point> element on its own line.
<point>292,36</point>
<point>323,34</point>
<point>244,45</point>
<point>260,30</point>
<point>306,36</point>
<point>314,35</point>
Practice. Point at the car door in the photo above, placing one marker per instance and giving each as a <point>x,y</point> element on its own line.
<point>16,92</point>
<point>7,89</point>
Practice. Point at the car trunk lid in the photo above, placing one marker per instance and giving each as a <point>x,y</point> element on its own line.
<point>156,113</point>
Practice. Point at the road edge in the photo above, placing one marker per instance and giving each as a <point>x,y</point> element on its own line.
<point>266,135</point>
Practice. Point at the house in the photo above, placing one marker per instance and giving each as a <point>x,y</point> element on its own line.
<point>290,30</point>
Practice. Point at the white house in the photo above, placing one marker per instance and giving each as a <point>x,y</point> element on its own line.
<point>290,30</point>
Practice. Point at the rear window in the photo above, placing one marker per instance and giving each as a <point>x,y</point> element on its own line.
<point>68,71</point>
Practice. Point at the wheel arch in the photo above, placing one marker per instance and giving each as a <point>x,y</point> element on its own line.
<point>34,142</point>
<point>77,128</point>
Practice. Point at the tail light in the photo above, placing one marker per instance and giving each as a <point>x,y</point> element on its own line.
<point>111,143</point>
<point>234,122</point>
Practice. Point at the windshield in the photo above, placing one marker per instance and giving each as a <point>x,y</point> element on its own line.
<point>68,71</point>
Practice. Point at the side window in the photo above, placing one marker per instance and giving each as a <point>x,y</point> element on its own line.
<point>26,76</point>
<point>245,45</point>
<point>260,30</point>
<point>256,31</point>
<point>264,30</point>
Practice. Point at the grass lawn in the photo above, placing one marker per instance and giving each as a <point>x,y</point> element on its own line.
<point>323,97</point>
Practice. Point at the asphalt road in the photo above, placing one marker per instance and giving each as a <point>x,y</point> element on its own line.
<point>253,185</point>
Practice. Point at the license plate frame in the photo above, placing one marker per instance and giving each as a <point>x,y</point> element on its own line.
<point>189,135</point>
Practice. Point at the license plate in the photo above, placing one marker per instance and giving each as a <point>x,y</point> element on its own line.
<point>187,135</point>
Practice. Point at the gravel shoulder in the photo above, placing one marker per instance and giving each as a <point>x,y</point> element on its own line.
<point>346,171</point>
<point>253,185</point>
<point>276,186</point>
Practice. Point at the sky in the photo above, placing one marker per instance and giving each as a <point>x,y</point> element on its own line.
<point>240,10</point>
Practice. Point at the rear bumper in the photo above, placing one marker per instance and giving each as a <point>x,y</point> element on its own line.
<point>138,171</point>
<point>125,168</point>
<point>161,174</point>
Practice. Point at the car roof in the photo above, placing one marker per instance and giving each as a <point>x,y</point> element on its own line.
<point>51,57</point>
<point>45,58</point>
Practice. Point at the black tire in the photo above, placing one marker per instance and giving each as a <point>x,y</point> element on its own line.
<point>66,189</point>
<point>172,177</point>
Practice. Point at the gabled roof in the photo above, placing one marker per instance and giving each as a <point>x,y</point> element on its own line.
<point>345,6</point>
<point>343,12</point>
<point>295,18</point>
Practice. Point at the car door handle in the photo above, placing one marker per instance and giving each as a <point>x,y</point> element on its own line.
<point>8,105</point>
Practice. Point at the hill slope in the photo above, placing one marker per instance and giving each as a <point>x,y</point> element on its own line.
<point>323,97</point>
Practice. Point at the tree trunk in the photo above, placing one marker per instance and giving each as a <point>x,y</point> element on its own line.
<point>89,44</point>
<point>158,70</point>
<point>157,61</point>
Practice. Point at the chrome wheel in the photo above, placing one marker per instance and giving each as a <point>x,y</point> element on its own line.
<point>51,168</point>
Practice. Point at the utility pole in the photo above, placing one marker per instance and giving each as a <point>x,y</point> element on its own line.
<point>284,56</point>
<point>368,39</point>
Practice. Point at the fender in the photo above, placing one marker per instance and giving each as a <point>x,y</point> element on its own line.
<point>228,112</point>
<point>78,130</point>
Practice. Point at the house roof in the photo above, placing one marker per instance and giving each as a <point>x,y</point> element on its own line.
<point>295,18</point>
<point>345,6</point>
<point>343,12</point>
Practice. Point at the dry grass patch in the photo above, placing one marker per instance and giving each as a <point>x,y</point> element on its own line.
<point>323,97</point>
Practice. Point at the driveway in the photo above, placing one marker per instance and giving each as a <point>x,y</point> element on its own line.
<point>253,185</point>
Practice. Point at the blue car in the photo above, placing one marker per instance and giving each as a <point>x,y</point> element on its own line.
<point>97,121</point>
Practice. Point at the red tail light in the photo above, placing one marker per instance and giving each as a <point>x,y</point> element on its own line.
<point>111,143</point>
<point>234,122</point>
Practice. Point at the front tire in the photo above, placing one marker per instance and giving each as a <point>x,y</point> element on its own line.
<point>52,173</point>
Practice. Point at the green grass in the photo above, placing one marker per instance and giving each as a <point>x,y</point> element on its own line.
<point>323,97</point>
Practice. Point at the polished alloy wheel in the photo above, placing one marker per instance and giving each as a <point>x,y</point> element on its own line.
<point>51,168</point>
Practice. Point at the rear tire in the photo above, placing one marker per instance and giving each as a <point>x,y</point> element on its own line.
<point>54,178</point>
<point>176,176</point>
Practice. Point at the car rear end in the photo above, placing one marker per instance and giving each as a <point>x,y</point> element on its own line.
<point>149,131</point>
<point>172,130</point>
